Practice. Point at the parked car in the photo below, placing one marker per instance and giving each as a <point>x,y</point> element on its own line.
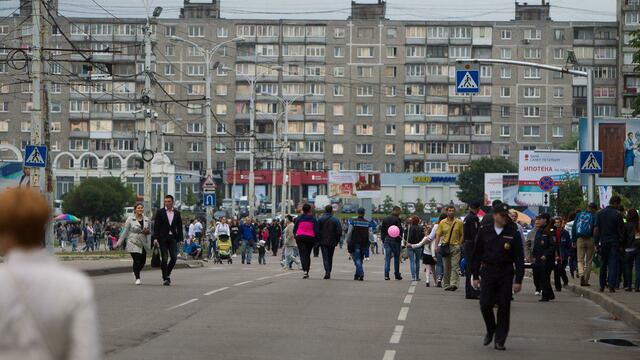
<point>220,214</point>
<point>349,208</point>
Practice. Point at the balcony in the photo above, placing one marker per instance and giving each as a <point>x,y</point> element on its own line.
<point>481,118</point>
<point>415,41</point>
<point>437,41</point>
<point>438,79</point>
<point>78,134</point>
<point>123,134</point>
<point>414,60</point>
<point>630,91</point>
<point>267,39</point>
<point>460,41</point>
<point>294,39</point>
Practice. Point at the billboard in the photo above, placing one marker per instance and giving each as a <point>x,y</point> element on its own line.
<point>540,172</point>
<point>500,186</point>
<point>354,184</point>
<point>619,141</point>
<point>12,174</point>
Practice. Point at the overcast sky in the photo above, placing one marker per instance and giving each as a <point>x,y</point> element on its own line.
<point>565,10</point>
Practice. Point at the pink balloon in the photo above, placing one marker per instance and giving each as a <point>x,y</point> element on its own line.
<point>393,231</point>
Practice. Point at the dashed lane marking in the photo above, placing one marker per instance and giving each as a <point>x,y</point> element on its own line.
<point>403,313</point>
<point>263,278</point>
<point>397,334</point>
<point>389,355</point>
<point>183,304</point>
<point>243,283</point>
<point>407,299</point>
<point>412,289</point>
<point>215,291</point>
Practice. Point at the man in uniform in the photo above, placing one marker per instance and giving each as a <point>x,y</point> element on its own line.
<point>470,228</point>
<point>497,258</point>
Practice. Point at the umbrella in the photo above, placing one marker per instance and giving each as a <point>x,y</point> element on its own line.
<point>67,217</point>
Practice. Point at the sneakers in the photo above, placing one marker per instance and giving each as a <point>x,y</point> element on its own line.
<point>386,277</point>
<point>306,275</point>
<point>538,293</point>
<point>138,282</point>
<point>166,283</point>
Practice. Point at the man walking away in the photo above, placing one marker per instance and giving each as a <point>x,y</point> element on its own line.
<point>609,234</point>
<point>357,240</point>
<point>391,245</point>
<point>498,251</point>
<point>582,236</point>
<point>167,233</point>
<point>470,228</point>
<point>275,233</point>
<point>415,234</point>
<point>305,230</point>
<point>450,233</point>
<point>329,232</point>
<point>249,238</point>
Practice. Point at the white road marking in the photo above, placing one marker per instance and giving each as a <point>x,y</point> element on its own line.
<point>243,283</point>
<point>183,304</point>
<point>263,278</point>
<point>215,291</point>
<point>407,299</point>
<point>397,334</point>
<point>403,313</point>
<point>412,289</point>
<point>414,283</point>
<point>389,355</point>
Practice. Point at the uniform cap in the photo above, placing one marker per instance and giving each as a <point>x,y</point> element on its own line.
<point>500,208</point>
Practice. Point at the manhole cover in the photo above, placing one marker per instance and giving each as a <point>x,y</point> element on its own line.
<point>616,342</point>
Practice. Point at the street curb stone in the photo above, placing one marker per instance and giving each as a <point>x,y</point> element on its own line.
<point>127,268</point>
<point>615,308</point>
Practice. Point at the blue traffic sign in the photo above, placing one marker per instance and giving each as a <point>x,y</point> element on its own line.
<point>467,81</point>
<point>35,156</point>
<point>546,183</point>
<point>178,178</point>
<point>591,162</point>
<point>209,199</point>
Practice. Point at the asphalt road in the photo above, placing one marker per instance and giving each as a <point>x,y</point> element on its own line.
<point>262,312</point>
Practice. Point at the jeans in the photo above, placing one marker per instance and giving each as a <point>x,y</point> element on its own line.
<point>632,260</point>
<point>415,255</point>
<point>452,267</point>
<point>366,252</point>
<point>74,243</point>
<point>290,257</point>
<point>585,248</point>
<point>327,257</point>
<point>374,248</point>
<point>439,267</point>
<point>213,248</point>
<point>391,248</point>
<point>139,259</point>
<point>358,256</point>
<point>610,254</point>
<point>168,248</point>
<point>247,251</point>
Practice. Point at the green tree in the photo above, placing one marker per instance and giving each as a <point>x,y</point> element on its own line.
<point>387,204</point>
<point>568,199</point>
<point>571,143</point>
<point>98,198</point>
<point>419,206</point>
<point>471,181</point>
<point>635,43</point>
<point>191,198</point>
<point>632,193</point>
<point>433,205</point>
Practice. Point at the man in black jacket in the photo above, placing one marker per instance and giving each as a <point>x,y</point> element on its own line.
<point>470,228</point>
<point>392,244</point>
<point>609,237</point>
<point>498,258</point>
<point>167,233</point>
<point>329,233</point>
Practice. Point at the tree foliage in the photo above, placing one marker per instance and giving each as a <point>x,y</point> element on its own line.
<point>571,143</point>
<point>191,198</point>
<point>568,199</point>
<point>387,204</point>
<point>471,181</point>
<point>98,198</point>
<point>419,206</point>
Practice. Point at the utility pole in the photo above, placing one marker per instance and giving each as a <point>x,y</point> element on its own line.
<point>35,178</point>
<point>147,118</point>
<point>252,145</point>
<point>285,161</point>
<point>274,161</point>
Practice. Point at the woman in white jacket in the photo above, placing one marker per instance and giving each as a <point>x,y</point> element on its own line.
<point>136,234</point>
<point>429,251</point>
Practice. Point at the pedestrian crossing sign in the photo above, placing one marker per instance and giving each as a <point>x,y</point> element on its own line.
<point>591,162</point>
<point>467,81</point>
<point>35,156</point>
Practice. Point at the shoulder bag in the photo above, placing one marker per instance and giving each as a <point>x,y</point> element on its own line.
<point>445,248</point>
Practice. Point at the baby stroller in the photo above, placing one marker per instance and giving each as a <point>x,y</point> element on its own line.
<point>224,249</point>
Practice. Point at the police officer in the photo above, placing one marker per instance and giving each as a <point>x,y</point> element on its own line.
<point>358,236</point>
<point>498,257</point>
<point>470,228</point>
<point>543,252</point>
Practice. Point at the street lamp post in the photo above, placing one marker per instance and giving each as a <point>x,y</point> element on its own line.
<point>590,122</point>
<point>208,59</point>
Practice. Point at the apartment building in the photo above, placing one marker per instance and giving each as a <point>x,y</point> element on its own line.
<point>367,92</point>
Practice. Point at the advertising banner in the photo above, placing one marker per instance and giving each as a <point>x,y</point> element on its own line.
<point>12,174</point>
<point>619,141</point>
<point>540,173</point>
<point>500,186</point>
<point>354,184</point>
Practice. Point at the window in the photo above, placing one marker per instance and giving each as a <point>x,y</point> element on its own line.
<point>531,111</point>
<point>194,128</point>
<point>293,31</point>
<point>316,31</point>
<point>485,71</point>
<point>505,111</point>
<point>364,91</point>
<point>460,52</point>
<point>196,165</point>
<point>392,51</point>
<point>532,53</point>
<point>505,130</point>
<point>558,92</point>
<point>364,71</point>
<point>531,73</point>
<point>505,92</point>
<point>195,89</point>
<point>437,32</point>
<point>365,52</point>
<point>364,130</point>
<point>413,109</point>
<point>505,73</point>
<point>605,53</point>
<point>338,110</point>
<point>415,90</point>
<point>338,129</point>
<point>55,126</point>
<point>338,71</point>
<point>505,34</point>
<point>390,149</point>
<point>505,53</point>
<point>338,149</point>
<point>56,107</point>
<point>392,110</point>
<point>533,34</point>
<point>608,92</point>
<point>339,33</point>
<point>416,51</point>
<point>338,90</point>
<point>221,90</point>
<point>415,70</point>
<point>221,109</point>
<point>558,34</point>
<point>195,31</point>
<point>558,112</point>
<point>460,32</point>
<point>364,149</point>
<point>25,126</point>
<point>364,110</point>
<point>416,32</point>
<point>315,146</point>
<point>459,148</point>
<point>195,70</point>
<point>531,130</point>
<point>392,33</point>
<point>315,51</point>
<point>222,32</point>
<point>314,108</point>
<point>604,110</point>
<point>632,17</point>
<point>531,92</point>
<point>558,131</point>
<point>390,91</point>
<point>83,145</point>
<point>338,52</point>
<point>390,129</point>
<point>605,72</point>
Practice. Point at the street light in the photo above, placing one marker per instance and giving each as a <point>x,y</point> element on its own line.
<point>208,58</point>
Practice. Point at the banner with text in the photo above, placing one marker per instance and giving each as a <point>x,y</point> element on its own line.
<point>540,173</point>
<point>354,184</point>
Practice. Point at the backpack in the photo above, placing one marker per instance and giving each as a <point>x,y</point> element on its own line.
<point>584,224</point>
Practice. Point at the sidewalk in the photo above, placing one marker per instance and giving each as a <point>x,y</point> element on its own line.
<point>622,305</point>
<point>100,267</point>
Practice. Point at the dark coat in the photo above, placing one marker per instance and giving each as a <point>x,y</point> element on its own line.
<point>329,230</point>
<point>161,226</point>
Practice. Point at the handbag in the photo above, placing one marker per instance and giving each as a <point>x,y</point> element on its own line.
<point>155,257</point>
<point>445,248</point>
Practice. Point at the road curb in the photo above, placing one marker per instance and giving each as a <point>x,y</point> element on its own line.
<point>127,268</point>
<point>615,308</point>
